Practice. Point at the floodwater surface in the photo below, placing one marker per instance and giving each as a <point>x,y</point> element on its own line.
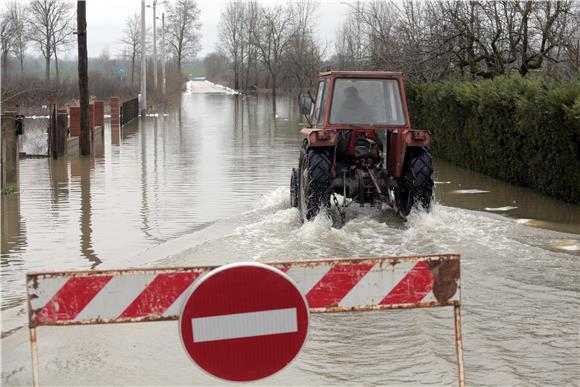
<point>207,183</point>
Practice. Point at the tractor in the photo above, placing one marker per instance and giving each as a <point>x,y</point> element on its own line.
<point>359,144</point>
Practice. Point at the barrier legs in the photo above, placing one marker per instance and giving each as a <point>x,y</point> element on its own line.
<point>459,345</point>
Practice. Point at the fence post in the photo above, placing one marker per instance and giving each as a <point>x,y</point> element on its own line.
<point>61,131</point>
<point>9,151</point>
<point>52,136</point>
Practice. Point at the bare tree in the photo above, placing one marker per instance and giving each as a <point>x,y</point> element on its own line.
<point>303,53</point>
<point>232,35</point>
<point>492,38</point>
<point>61,40</point>
<point>183,30</point>
<point>271,36</point>
<point>132,40</point>
<point>430,40</point>
<point>252,14</point>
<point>350,44</point>
<point>50,23</point>
<point>216,66</point>
<point>16,13</point>
<point>6,38</point>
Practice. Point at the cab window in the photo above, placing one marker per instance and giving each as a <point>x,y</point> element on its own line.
<point>320,105</point>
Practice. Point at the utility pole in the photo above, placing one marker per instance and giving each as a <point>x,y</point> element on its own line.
<point>154,46</point>
<point>143,106</point>
<point>85,139</point>
<point>163,53</point>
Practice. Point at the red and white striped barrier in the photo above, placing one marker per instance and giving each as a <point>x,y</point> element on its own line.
<point>331,285</point>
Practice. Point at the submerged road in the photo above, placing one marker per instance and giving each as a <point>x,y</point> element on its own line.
<point>207,184</point>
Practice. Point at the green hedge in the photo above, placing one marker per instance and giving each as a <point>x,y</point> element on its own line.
<point>525,131</point>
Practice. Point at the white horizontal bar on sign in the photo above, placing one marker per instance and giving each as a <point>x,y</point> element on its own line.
<point>239,325</point>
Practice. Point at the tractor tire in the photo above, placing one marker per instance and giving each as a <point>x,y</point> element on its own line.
<point>294,188</point>
<point>416,184</point>
<point>315,178</point>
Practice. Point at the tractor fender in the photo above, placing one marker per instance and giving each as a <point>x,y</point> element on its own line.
<point>398,145</point>
<point>319,137</point>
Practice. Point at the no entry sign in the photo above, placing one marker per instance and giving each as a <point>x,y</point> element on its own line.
<point>244,321</point>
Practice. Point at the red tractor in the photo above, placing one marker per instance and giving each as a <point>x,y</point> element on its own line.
<point>359,144</point>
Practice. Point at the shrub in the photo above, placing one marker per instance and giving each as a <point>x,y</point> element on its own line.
<point>525,131</point>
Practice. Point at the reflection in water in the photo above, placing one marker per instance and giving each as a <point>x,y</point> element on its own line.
<point>87,250</point>
<point>474,191</point>
<point>13,229</point>
<point>58,170</point>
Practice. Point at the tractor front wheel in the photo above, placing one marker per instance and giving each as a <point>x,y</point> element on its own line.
<point>314,181</point>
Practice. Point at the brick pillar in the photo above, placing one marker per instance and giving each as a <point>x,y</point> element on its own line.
<point>75,121</point>
<point>100,116</point>
<point>91,117</point>
<point>99,113</point>
<point>115,112</point>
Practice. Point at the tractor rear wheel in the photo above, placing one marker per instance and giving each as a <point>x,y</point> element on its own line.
<point>416,183</point>
<point>294,188</point>
<point>314,183</point>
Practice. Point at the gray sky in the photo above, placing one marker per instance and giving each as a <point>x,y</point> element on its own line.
<point>106,20</point>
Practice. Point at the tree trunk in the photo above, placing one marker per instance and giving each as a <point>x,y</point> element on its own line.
<point>4,63</point>
<point>179,59</point>
<point>236,77</point>
<point>273,94</point>
<point>56,66</point>
<point>133,69</point>
<point>47,67</point>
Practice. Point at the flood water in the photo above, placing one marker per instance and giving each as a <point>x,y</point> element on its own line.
<point>207,183</point>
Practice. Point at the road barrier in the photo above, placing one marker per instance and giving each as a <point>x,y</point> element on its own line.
<point>329,286</point>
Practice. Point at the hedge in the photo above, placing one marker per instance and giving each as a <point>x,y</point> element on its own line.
<point>524,131</point>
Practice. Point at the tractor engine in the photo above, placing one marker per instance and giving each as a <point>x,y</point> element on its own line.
<point>358,170</point>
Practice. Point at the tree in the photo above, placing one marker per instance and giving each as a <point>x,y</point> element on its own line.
<point>6,38</point>
<point>303,53</point>
<point>271,36</point>
<point>132,40</point>
<point>16,13</point>
<point>183,30</point>
<point>250,24</point>
<point>350,43</point>
<point>232,35</point>
<point>50,26</point>
<point>436,39</point>
<point>216,66</point>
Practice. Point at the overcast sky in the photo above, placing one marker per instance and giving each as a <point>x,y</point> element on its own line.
<point>106,20</point>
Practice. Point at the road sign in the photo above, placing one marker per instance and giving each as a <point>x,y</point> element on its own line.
<point>244,322</point>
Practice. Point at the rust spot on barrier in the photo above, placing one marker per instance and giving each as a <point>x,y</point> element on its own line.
<point>445,279</point>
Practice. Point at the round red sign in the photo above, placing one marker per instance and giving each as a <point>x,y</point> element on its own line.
<point>244,321</point>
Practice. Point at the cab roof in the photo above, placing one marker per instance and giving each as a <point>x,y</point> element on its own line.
<point>374,74</point>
